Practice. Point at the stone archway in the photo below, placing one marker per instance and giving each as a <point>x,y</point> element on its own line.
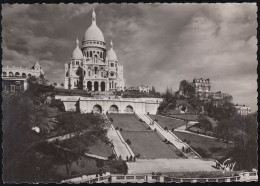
<point>129,109</point>
<point>95,86</point>
<point>89,85</point>
<point>97,109</point>
<point>113,109</point>
<point>103,86</point>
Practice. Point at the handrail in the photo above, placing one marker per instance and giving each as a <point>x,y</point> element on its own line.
<point>240,178</point>
<point>123,141</point>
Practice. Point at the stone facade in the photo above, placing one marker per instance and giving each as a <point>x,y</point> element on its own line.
<point>14,79</point>
<point>143,88</point>
<point>115,105</point>
<point>218,98</point>
<point>100,68</point>
<point>243,109</point>
<point>202,88</point>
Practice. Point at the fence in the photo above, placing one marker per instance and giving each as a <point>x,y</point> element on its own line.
<point>150,178</point>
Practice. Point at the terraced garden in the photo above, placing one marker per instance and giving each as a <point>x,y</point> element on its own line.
<point>167,122</point>
<point>100,149</point>
<point>149,145</point>
<point>127,122</point>
<point>206,147</point>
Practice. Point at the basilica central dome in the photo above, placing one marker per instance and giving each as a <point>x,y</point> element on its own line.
<point>93,33</point>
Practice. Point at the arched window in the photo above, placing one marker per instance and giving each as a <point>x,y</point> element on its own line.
<point>87,54</point>
<point>77,63</point>
<point>101,55</point>
<point>4,74</point>
<point>24,75</point>
<point>112,64</point>
<point>17,74</point>
<point>29,75</point>
<point>112,74</point>
<point>102,74</point>
<point>88,73</point>
<point>95,69</point>
<point>90,53</point>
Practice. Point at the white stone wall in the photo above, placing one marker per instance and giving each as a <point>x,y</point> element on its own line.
<point>86,105</point>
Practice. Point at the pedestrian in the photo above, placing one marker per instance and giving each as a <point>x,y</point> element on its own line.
<point>127,158</point>
<point>134,158</point>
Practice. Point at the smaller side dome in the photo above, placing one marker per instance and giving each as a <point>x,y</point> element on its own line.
<point>77,53</point>
<point>111,55</point>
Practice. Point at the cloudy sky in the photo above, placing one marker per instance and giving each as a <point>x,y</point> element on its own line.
<point>158,44</point>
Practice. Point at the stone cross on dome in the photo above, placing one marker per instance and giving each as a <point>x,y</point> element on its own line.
<point>93,16</point>
<point>77,41</point>
<point>111,43</point>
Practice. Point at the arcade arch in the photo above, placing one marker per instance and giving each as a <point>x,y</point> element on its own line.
<point>129,109</point>
<point>113,109</point>
<point>95,86</point>
<point>97,109</point>
<point>103,86</point>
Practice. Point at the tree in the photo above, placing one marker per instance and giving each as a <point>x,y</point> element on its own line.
<point>80,73</point>
<point>87,130</point>
<point>242,131</point>
<point>55,84</point>
<point>30,164</point>
<point>187,89</point>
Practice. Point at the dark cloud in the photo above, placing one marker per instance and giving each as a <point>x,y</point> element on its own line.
<point>158,44</point>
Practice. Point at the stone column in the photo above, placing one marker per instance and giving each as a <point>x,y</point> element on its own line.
<point>92,86</point>
<point>107,86</point>
<point>99,86</point>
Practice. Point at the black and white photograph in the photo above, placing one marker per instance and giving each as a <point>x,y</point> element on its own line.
<point>129,93</point>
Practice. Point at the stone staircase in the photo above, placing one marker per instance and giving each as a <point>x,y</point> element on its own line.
<point>121,148</point>
<point>170,137</point>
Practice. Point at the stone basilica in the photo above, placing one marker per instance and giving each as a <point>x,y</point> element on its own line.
<point>99,68</point>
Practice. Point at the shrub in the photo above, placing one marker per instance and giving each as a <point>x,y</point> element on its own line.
<point>138,156</point>
<point>185,140</point>
<point>172,129</point>
<point>112,157</point>
<point>188,142</point>
<point>117,128</point>
<point>121,129</point>
<point>57,104</point>
<point>149,128</point>
<point>165,128</point>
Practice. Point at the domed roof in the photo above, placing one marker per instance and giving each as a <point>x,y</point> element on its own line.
<point>111,55</point>
<point>93,32</point>
<point>77,53</point>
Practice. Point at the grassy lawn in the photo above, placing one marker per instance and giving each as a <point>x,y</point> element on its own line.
<point>88,166</point>
<point>167,122</point>
<point>206,147</point>
<point>149,145</point>
<point>101,149</point>
<point>127,122</point>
